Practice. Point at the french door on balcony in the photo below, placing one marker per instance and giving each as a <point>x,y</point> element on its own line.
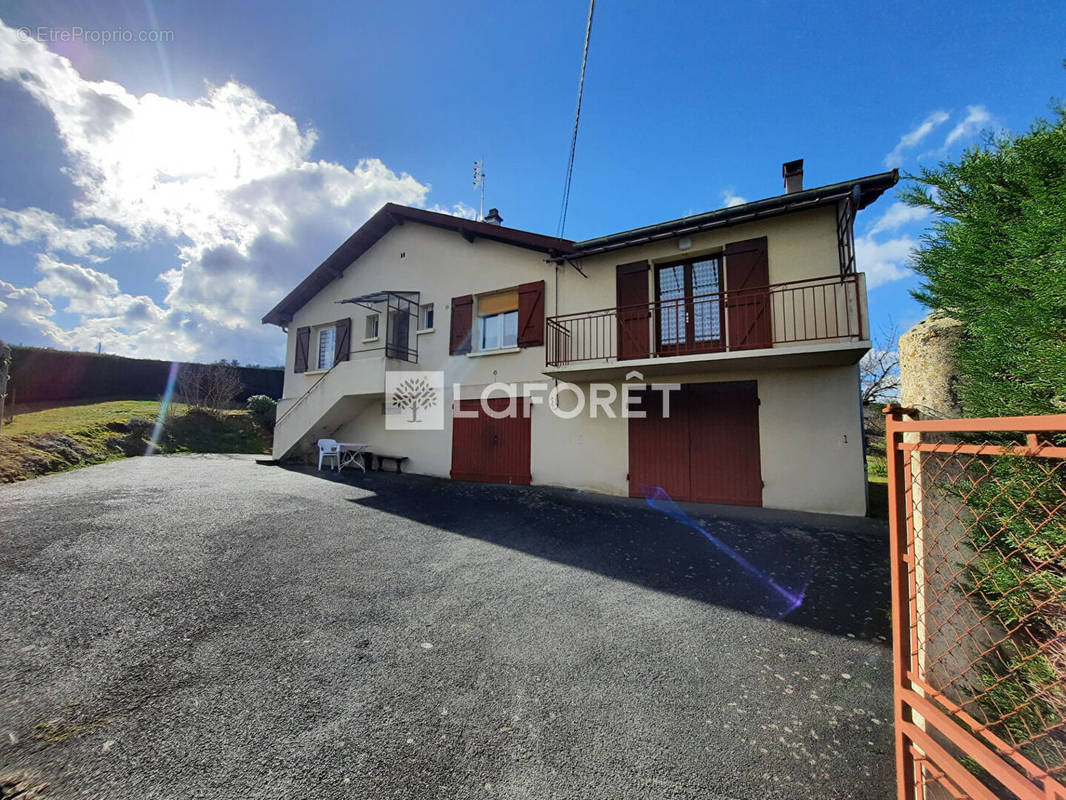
<point>689,301</point>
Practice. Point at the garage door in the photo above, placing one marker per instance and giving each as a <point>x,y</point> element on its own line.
<point>488,449</point>
<point>706,450</point>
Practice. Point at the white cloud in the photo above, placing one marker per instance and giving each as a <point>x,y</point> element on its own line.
<point>85,287</point>
<point>228,177</point>
<point>883,262</point>
<point>26,309</point>
<point>913,138</point>
<point>457,210</point>
<point>92,293</point>
<point>731,198</point>
<point>898,215</point>
<point>977,117</point>
<point>37,225</point>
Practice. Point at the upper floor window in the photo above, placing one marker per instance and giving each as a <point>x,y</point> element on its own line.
<point>371,331</point>
<point>425,317</point>
<point>327,338</point>
<point>497,317</point>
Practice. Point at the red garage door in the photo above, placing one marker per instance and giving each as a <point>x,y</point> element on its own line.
<point>488,449</point>
<point>707,450</point>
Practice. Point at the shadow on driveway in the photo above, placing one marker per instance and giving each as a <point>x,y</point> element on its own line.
<point>754,560</point>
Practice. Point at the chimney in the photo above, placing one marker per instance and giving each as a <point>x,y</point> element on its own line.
<point>493,217</point>
<point>792,172</point>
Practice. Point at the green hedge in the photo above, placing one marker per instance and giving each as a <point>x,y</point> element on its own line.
<point>41,374</point>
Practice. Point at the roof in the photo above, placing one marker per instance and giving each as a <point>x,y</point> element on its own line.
<point>389,216</point>
<point>866,191</point>
<point>863,191</point>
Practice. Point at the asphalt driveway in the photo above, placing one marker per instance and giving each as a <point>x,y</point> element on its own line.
<point>206,627</point>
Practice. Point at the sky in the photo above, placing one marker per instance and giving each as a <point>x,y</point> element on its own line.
<point>169,171</point>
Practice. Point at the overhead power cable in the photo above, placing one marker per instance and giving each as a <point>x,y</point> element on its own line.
<point>577,119</point>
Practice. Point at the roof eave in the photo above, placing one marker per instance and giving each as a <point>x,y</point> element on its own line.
<point>870,187</point>
<point>386,218</point>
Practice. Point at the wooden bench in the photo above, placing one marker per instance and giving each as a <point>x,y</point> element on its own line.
<point>381,458</point>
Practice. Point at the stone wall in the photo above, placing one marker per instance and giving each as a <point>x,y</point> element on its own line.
<point>928,378</point>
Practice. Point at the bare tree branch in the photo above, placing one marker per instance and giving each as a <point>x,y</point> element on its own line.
<point>879,368</point>
<point>211,387</point>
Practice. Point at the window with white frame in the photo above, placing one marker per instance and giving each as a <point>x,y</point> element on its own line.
<point>327,338</point>
<point>371,330</point>
<point>497,316</point>
<point>425,317</point>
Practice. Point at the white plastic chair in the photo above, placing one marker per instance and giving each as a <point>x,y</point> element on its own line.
<point>328,448</point>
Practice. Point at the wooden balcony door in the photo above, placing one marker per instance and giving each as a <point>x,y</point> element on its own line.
<point>689,298</point>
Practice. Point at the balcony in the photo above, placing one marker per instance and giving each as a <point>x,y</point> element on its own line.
<point>818,321</point>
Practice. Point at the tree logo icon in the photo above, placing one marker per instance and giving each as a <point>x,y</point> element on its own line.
<point>414,394</point>
<point>414,400</point>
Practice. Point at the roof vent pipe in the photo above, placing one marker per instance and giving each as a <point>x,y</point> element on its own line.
<point>493,217</point>
<point>792,172</point>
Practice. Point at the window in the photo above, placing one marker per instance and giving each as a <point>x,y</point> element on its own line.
<point>327,338</point>
<point>690,304</point>
<point>497,320</point>
<point>425,317</point>
<point>371,332</point>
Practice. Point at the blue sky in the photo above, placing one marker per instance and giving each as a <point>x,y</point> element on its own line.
<point>158,198</point>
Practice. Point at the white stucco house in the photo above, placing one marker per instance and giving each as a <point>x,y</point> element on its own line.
<point>756,312</point>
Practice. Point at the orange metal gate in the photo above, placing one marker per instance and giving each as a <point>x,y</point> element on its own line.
<point>978,516</point>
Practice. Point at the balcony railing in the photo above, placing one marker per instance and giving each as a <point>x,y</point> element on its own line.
<point>813,310</point>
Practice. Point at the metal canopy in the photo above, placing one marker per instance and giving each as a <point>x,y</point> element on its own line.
<point>367,300</point>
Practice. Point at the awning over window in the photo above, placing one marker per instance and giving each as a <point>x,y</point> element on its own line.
<point>368,300</point>
<point>497,303</point>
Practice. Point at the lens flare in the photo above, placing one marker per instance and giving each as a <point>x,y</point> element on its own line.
<point>157,429</point>
<point>657,498</point>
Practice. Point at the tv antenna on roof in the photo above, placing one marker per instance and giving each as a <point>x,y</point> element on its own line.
<point>479,180</point>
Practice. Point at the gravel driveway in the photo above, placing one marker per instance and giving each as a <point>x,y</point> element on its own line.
<point>207,627</point>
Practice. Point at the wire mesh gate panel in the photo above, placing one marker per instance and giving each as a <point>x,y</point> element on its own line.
<point>978,515</point>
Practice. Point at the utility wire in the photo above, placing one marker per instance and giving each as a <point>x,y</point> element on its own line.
<point>577,119</point>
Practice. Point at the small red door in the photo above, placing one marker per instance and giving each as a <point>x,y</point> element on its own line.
<point>492,450</point>
<point>747,301</point>
<point>634,313</point>
<point>706,450</point>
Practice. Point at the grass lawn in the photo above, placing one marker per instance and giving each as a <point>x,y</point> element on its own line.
<point>83,416</point>
<point>64,437</point>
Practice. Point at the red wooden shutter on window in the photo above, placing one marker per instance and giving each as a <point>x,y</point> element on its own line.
<point>462,323</point>
<point>342,342</point>
<point>747,300</point>
<point>531,314</point>
<point>303,342</point>
<point>634,313</point>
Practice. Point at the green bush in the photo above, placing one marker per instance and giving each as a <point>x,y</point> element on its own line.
<point>995,260</point>
<point>264,409</point>
<point>261,404</point>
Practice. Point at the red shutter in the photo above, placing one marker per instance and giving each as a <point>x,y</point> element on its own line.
<point>342,342</point>
<point>462,322</point>
<point>531,314</point>
<point>634,313</point>
<point>303,343</point>
<point>747,299</point>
